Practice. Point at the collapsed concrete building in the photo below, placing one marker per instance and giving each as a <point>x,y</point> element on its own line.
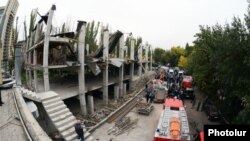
<point>80,73</point>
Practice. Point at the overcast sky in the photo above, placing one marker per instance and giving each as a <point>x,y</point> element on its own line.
<point>162,23</point>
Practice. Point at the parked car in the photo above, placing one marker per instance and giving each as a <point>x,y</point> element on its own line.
<point>212,112</point>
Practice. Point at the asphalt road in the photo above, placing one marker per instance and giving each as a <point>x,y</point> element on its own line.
<point>146,125</point>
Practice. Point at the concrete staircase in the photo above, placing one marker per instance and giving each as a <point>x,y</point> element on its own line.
<point>57,111</point>
<point>60,115</point>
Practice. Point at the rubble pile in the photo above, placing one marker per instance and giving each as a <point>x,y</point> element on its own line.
<point>144,108</point>
<point>123,125</point>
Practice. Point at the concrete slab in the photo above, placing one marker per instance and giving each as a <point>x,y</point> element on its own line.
<point>67,89</point>
<point>47,95</point>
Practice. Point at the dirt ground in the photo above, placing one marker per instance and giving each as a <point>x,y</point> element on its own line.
<point>142,131</point>
<point>146,125</point>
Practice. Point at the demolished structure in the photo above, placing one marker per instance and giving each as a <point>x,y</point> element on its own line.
<point>65,54</point>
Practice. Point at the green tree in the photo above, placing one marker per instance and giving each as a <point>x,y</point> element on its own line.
<point>182,62</point>
<point>188,50</point>
<point>91,34</point>
<point>173,56</point>
<point>158,54</point>
<point>27,31</point>
<point>220,62</point>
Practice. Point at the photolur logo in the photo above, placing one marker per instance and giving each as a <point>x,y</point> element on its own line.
<point>226,132</point>
<point>235,133</point>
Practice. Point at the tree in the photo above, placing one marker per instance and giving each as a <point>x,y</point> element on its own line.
<point>182,62</point>
<point>91,34</point>
<point>188,50</point>
<point>158,55</point>
<point>174,54</point>
<point>219,61</point>
<point>27,32</point>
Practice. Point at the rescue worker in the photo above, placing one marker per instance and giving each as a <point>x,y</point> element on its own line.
<point>162,76</point>
<point>150,92</point>
<point>79,130</point>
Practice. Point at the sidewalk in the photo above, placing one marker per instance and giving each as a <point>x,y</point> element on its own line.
<point>197,116</point>
<point>10,126</point>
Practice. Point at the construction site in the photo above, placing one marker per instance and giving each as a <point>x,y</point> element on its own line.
<point>102,83</point>
<point>58,80</point>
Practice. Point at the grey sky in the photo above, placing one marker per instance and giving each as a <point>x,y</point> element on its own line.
<point>162,23</point>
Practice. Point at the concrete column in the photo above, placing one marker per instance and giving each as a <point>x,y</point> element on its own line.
<point>46,50</point>
<point>35,71</point>
<point>116,92</point>
<point>27,75</point>
<point>29,63</point>
<point>131,71</point>
<point>18,58</point>
<point>91,104</point>
<point>125,51</point>
<point>116,51</point>
<point>146,58</point>
<point>38,32</point>
<point>121,69</point>
<point>1,80</point>
<point>37,35</point>
<point>105,69</point>
<point>140,60</point>
<point>81,71</point>
<point>151,57</point>
<point>87,49</point>
<point>124,88</point>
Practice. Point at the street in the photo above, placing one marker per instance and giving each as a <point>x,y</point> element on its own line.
<point>146,125</point>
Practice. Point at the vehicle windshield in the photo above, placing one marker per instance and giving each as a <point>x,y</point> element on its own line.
<point>187,79</point>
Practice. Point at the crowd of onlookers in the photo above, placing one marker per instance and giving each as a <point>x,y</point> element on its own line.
<point>173,78</point>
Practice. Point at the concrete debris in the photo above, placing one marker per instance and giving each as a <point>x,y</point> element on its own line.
<point>92,120</point>
<point>144,108</point>
<point>101,114</point>
<point>123,125</point>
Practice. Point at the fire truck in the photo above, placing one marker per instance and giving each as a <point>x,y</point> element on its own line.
<point>173,122</point>
<point>187,86</point>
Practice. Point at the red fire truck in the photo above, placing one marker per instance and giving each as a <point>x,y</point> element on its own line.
<point>187,86</point>
<point>173,122</point>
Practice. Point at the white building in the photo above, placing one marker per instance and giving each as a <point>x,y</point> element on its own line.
<point>7,17</point>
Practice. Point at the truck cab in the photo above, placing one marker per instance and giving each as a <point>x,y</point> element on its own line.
<point>187,86</point>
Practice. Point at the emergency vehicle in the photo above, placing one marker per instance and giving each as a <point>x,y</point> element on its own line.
<point>187,86</point>
<point>173,122</point>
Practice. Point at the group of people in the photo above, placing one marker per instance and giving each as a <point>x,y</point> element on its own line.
<point>173,79</point>
<point>171,76</point>
<point>175,91</point>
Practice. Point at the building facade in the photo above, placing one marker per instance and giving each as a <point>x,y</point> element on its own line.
<point>7,17</point>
